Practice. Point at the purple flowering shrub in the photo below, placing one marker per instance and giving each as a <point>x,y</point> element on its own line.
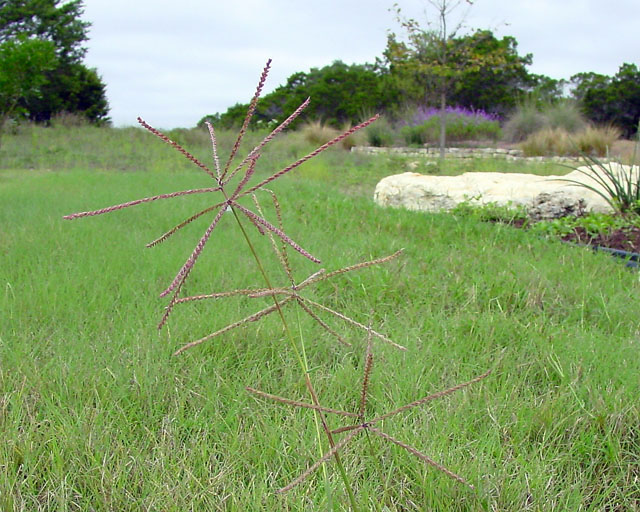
<point>423,126</point>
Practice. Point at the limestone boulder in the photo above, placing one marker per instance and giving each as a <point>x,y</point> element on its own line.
<point>542,196</point>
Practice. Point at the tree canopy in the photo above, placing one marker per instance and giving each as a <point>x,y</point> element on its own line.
<point>23,65</point>
<point>613,100</point>
<point>68,85</point>
<point>340,94</point>
<point>481,71</point>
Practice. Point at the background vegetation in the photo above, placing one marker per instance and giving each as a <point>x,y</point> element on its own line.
<point>43,77</point>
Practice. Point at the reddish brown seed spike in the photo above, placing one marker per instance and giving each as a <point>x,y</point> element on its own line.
<point>265,224</point>
<point>214,145</point>
<point>271,136</point>
<point>338,446</point>
<point>247,119</point>
<point>251,318</point>
<point>175,229</point>
<point>421,456</point>
<point>128,204</point>
<point>434,396</point>
<point>365,378</point>
<point>311,155</point>
<point>186,268</point>
<point>297,403</point>
<point>354,323</point>
<point>177,146</point>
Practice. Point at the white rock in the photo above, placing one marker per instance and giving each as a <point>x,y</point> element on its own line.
<point>434,193</point>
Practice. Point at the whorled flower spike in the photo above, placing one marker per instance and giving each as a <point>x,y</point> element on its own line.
<point>222,177</point>
<point>247,119</point>
<point>291,295</point>
<point>368,425</point>
<point>128,204</point>
<point>310,155</point>
<point>177,146</point>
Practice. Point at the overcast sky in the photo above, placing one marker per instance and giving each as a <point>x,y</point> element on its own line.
<point>174,62</point>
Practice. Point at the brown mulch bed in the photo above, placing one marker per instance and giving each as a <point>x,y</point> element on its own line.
<point>627,239</point>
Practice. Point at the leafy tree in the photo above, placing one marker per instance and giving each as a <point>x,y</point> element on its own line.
<point>592,91</point>
<point>494,75</point>
<point>544,90</point>
<point>75,88</point>
<point>340,94</point>
<point>613,100</point>
<point>23,67</point>
<point>433,59</point>
<point>70,85</point>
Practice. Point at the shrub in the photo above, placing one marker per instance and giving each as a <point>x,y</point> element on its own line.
<point>529,118</point>
<point>593,223</point>
<point>617,184</point>
<point>565,115</point>
<point>357,139</point>
<point>316,132</point>
<point>462,124</point>
<point>594,141</point>
<point>380,133</point>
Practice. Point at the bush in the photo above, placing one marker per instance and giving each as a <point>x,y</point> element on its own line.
<point>525,121</point>
<point>317,133</point>
<point>462,124</point>
<point>380,134</point>
<point>565,115</point>
<point>548,142</point>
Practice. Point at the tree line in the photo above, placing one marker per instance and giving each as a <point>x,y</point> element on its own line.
<point>42,74</point>
<point>437,67</point>
<point>345,94</point>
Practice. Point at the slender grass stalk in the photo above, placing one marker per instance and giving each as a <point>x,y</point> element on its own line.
<point>302,360</point>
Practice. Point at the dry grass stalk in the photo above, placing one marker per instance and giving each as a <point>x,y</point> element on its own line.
<point>290,294</point>
<point>368,426</point>
<point>222,178</point>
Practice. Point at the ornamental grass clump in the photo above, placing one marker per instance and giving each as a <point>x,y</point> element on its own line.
<point>234,188</point>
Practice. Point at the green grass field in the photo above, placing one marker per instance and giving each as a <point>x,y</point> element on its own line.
<point>96,414</point>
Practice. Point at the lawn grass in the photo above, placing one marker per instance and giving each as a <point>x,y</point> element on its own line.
<point>95,414</point>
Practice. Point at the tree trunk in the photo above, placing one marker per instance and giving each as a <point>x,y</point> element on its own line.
<point>443,123</point>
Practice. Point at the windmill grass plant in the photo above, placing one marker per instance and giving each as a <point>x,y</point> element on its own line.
<point>238,197</point>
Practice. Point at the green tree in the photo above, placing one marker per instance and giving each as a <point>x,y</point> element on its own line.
<point>23,67</point>
<point>495,75</point>
<point>70,85</point>
<point>592,92</point>
<point>340,94</point>
<point>613,100</point>
<point>432,59</point>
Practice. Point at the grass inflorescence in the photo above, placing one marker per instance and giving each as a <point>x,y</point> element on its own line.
<point>231,194</point>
